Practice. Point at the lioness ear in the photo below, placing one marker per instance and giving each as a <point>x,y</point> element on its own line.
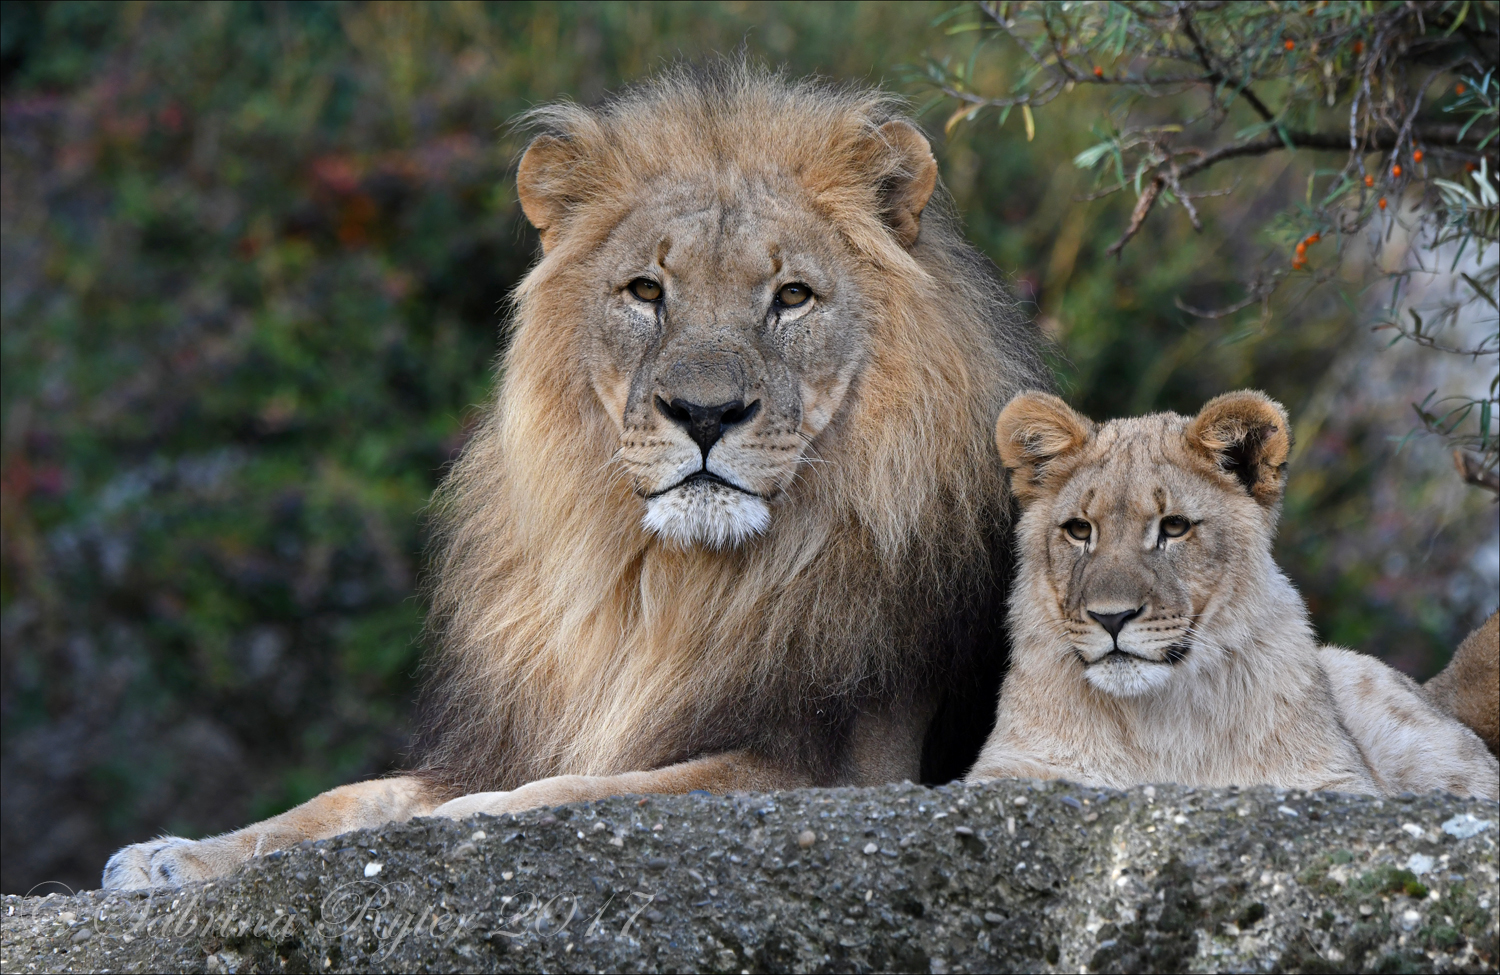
<point>1034,430</point>
<point>909,185</point>
<point>543,182</point>
<point>1246,436</point>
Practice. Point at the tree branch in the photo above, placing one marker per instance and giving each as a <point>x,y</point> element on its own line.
<point>1299,140</point>
<point>1380,142</point>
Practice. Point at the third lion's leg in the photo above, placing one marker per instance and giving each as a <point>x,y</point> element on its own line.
<point>737,771</point>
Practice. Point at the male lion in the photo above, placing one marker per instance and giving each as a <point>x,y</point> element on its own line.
<point>1155,639</point>
<point>734,520</point>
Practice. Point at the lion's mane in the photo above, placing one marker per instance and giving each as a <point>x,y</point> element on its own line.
<point>567,639</point>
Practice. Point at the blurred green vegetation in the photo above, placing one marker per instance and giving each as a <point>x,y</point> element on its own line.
<point>1405,93</point>
<point>253,272</point>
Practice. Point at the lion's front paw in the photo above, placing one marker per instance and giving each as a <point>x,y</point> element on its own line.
<point>169,861</point>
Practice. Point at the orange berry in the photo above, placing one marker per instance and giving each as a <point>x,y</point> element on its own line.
<point>1369,180</point>
<point>1314,238</point>
<point>1098,71</point>
<point>1290,44</point>
<point>1460,88</point>
<point>1382,203</point>
<point>1396,170</point>
<point>1416,156</point>
<point>1301,248</point>
<point>1359,47</point>
<point>1298,264</point>
<point>1470,168</point>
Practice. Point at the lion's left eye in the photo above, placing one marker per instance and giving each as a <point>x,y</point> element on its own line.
<point>1175,526</point>
<point>645,289</point>
<point>794,294</point>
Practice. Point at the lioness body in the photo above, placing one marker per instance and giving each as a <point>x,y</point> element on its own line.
<point>733,522</point>
<point>1155,639</point>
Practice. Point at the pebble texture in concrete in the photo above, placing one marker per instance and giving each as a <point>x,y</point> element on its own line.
<point>1007,876</point>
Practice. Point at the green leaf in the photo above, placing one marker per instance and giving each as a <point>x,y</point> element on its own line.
<point>1089,158</point>
<point>1253,130</point>
<point>1459,20</point>
<point>1480,290</point>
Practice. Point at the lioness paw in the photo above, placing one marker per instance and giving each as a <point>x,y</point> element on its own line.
<point>168,861</point>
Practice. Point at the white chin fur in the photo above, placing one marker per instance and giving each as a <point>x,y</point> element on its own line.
<point>706,514</point>
<point>1127,677</point>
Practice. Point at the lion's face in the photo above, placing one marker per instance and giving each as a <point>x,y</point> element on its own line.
<point>727,300</point>
<point>1140,534</point>
<point>725,338</point>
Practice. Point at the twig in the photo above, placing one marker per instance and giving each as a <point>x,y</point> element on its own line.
<point>1258,292</point>
<point>1428,342</point>
<point>1142,208</point>
<point>1471,468</point>
<point>1417,102</point>
<point>1173,180</point>
<point>1214,74</point>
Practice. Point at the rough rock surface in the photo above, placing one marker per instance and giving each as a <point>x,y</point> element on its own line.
<point>1008,876</point>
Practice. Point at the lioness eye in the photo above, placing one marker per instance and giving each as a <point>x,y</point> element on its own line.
<point>794,294</point>
<point>1175,526</point>
<point>1078,529</point>
<point>645,289</point>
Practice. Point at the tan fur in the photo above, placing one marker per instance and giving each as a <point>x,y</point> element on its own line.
<point>1212,676</point>
<point>1469,687</point>
<point>604,620</point>
<point>171,860</point>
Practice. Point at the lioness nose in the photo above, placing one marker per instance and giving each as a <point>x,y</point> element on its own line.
<point>1113,623</point>
<point>706,424</point>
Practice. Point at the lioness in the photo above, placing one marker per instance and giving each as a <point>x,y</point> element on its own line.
<point>1154,639</point>
<point>733,521</point>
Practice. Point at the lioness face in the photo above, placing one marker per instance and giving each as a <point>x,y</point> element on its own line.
<point>1141,528</point>
<point>725,340</point>
<point>1136,550</point>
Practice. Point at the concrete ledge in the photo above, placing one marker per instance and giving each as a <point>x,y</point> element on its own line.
<point>1008,876</point>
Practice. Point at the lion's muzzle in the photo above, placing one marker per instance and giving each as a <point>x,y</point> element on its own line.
<point>707,424</point>
<point>708,442</point>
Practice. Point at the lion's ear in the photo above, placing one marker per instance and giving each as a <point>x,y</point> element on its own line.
<point>1033,431</point>
<point>1246,436</point>
<point>545,185</point>
<point>910,181</point>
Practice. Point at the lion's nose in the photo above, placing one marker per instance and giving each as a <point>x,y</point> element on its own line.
<point>706,424</point>
<point>1113,623</point>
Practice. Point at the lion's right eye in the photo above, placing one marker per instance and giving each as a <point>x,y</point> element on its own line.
<point>1078,529</point>
<point>794,294</point>
<point>645,289</point>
